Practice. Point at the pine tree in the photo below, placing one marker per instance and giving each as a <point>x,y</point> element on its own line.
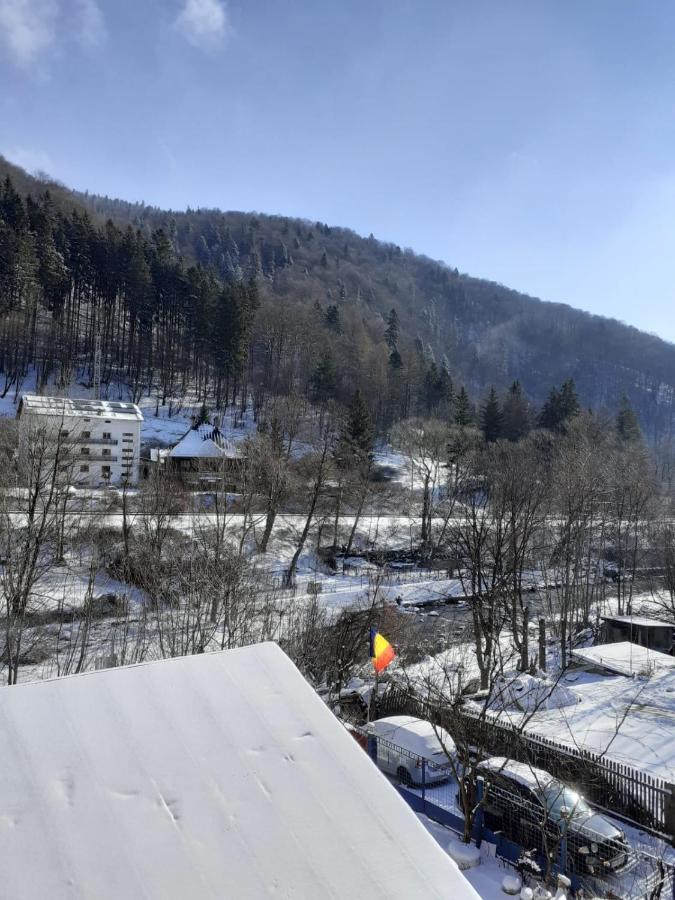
<point>254,269</point>
<point>491,418</point>
<point>550,416</point>
<point>203,416</point>
<point>331,319</point>
<point>560,407</point>
<point>392,333</point>
<point>282,259</point>
<point>444,389</point>
<point>515,413</point>
<point>232,248</point>
<point>324,379</point>
<point>324,260</point>
<point>430,388</point>
<point>395,360</point>
<point>627,424</point>
<point>569,402</point>
<point>355,446</point>
<point>463,412</point>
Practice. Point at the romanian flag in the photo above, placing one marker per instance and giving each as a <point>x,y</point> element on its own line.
<point>381,651</point>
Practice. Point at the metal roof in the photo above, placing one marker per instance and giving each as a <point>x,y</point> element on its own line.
<point>66,406</point>
<point>623,658</point>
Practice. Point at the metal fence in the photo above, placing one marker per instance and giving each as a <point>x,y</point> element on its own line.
<point>520,827</point>
<point>633,796</point>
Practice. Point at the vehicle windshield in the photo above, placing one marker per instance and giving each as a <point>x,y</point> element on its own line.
<point>557,798</point>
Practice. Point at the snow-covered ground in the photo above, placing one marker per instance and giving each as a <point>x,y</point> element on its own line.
<point>66,588</point>
<point>486,878</point>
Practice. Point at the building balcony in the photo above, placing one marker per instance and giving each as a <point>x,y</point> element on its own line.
<point>80,439</point>
<point>95,457</point>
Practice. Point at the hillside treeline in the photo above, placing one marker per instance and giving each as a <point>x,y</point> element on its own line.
<point>234,302</point>
<point>486,333</point>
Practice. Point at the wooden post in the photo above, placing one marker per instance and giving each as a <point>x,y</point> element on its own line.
<point>542,644</point>
<point>669,812</point>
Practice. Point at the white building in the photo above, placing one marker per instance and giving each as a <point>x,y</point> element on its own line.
<point>99,441</point>
<point>209,776</point>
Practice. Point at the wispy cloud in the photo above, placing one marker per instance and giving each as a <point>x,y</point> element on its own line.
<point>27,27</point>
<point>204,23</point>
<point>29,159</point>
<point>30,29</point>
<point>90,26</point>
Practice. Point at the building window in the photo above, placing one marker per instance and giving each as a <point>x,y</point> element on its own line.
<point>106,435</point>
<point>86,435</point>
<point>105,471</point>
<point>64,432</point>
<point>84,468</point>
<point>106,452</point>
<point>108,421</point>
<point>84,451</point>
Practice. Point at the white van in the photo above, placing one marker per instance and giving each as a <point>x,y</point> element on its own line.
<point>417,740</point>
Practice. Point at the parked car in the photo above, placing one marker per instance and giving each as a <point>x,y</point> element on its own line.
<point>404,741</point>
<point>544,812</point>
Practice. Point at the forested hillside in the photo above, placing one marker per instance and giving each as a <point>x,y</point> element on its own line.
<point>230,301</point>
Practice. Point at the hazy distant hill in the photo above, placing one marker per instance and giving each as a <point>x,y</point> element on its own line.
<point>488,333</point>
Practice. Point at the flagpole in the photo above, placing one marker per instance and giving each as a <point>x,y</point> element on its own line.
<point>373,693</point>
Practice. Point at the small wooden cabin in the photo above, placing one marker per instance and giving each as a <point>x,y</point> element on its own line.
<point>652,633</point>
<point>204,454</point>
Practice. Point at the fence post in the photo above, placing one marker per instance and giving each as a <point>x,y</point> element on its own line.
<point>424,784</point>
<point>478,820</point>
<point>669,816</point>
<point>542,644</point>
<point>562,856</point>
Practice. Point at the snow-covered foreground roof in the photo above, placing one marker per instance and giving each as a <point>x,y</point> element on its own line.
<point>65,406</point>
<point>624,658</point>
<point>219,775</point>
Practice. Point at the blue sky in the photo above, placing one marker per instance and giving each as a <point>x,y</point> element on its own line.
<point>528,142</point>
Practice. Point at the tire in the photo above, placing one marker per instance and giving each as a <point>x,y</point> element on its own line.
<point>404,776</point>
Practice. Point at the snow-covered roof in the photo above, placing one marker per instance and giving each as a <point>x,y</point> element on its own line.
<point>640,621</point>
<point>204,442</point>
<point>624,658</point>
<point>517,771</point>
<point>217,775</point>
<point>415,735</point>
<point>65,406</point>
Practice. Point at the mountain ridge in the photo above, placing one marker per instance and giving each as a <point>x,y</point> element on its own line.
<point>484,332</point>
